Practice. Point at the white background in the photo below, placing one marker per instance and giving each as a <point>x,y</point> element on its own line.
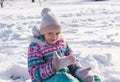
<point>91,28</point>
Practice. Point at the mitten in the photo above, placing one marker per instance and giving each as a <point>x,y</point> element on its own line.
<point>60,62</point>
<point>85,74</point>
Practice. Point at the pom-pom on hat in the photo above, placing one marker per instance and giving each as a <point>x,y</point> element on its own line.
<point>49,21</point>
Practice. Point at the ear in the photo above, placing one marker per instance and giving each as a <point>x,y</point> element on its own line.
<point>61,37</point>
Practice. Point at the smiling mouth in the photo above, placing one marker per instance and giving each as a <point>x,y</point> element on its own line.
<point>52,40</point>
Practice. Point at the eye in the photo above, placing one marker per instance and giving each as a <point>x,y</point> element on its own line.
<point>58,33</point>
<point>50,33</point>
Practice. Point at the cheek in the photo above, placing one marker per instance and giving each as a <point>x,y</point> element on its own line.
<point>46,37</point>
<point>60,36</point>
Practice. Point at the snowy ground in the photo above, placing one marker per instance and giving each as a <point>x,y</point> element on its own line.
<point>91,28</point>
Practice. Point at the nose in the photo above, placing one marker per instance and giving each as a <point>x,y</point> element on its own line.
<point>54,36</point>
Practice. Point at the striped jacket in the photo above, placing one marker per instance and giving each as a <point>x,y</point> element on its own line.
<point>40,55</point>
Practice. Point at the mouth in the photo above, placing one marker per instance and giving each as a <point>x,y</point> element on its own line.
<point>52,40</point>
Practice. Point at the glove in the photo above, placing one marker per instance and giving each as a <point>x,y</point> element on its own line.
<point>60,62</point>
<point>85,74</point>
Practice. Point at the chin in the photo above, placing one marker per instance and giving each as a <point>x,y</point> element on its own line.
<point>52,42</point>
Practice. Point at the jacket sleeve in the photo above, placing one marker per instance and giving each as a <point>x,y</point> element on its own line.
<point>37,67</point>
<point>75,66</point>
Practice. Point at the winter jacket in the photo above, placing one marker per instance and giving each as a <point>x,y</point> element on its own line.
<point>40,55</point>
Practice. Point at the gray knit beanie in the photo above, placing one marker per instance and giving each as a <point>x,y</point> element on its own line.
<point>48,19</point>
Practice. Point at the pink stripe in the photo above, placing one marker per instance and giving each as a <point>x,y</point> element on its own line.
<point>36,55</point>
<point>48,50</point>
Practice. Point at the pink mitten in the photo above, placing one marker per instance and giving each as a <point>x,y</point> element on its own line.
<point>85,74</point>
<point>59,62</point>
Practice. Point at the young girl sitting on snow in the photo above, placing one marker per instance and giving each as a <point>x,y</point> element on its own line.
<point>50,59</point>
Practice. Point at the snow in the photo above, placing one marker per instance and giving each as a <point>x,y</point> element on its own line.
<point>91,28</point>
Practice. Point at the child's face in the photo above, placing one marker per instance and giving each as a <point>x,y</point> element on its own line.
<point>53,35</point>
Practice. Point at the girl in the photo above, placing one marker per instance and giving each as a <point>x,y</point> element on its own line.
<point>50,59</point>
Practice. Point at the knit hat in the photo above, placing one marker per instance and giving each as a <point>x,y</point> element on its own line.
<point>49,21</point>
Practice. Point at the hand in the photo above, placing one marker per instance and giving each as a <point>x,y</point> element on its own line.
<point>85,74</point>
<point>60,62</point>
